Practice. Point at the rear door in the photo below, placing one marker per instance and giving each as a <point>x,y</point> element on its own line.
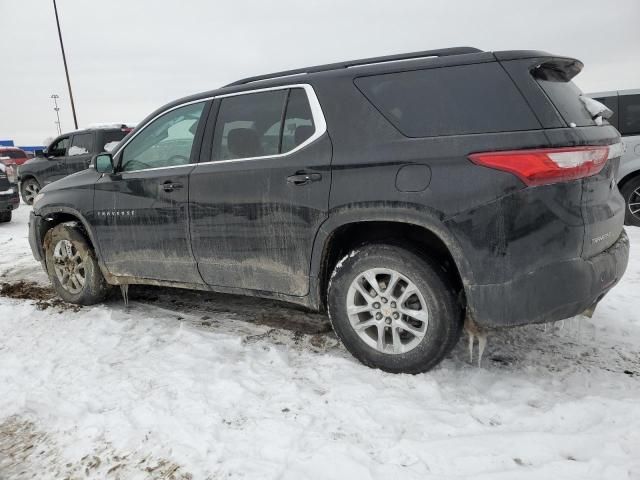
<point>140,212</point>
<point>261,191</point>
<point>79,152</point>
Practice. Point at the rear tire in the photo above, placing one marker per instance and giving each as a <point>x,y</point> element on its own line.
<point>29,189</point>
<point>5,216</point>
<point>72,266</point>
<point>631,193</point>
<point>393,330</point>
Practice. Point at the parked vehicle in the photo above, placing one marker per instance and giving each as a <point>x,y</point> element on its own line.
<point>398,193</point>
<point>9,199</point>
<point>626,107</point>
<point>13,155</point>
<point>67,154</point>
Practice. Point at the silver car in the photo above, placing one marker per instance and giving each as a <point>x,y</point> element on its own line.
<point>625,105</point>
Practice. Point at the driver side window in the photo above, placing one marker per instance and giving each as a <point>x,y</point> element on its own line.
<point>58,148</point>
<point>165,142</point>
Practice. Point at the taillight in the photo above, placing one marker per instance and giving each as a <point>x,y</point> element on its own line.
<point>549,165</point>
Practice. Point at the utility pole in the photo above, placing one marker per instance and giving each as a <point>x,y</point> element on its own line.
<point>66,70</point>
<point>57,109</point>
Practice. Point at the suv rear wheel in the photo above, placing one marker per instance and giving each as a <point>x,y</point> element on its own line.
<point>631,193</point>
<point>72,266</point>
<point>29,189</point>
<point>393,310</point>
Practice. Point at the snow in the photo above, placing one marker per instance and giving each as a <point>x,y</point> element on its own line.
<point>161,390</point>
<point>108,147</point>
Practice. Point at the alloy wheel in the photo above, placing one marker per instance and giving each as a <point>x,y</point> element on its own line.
<point>387,310</point>
<point>69,267</point>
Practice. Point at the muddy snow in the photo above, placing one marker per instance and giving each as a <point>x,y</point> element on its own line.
<point>191,385</point>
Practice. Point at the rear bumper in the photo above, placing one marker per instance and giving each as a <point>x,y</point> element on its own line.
<point>553,292</point>
<point>10,201</point>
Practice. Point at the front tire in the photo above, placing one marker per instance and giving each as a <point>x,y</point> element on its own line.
<point>631,193</point>
<point>393,310</point>
<point>29,189</point>
<point>72,266</point>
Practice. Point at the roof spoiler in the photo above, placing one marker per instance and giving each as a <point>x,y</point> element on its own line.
<point>557,69</point>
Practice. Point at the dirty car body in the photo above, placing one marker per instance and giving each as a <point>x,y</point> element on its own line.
<point>283,175</point>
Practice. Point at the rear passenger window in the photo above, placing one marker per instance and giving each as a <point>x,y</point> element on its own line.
<point>629,116</point>
<point>262,124</point>
<point>298,124</point>
<point>81,144</point>
<point>249,125</point>
<point>464,99</point>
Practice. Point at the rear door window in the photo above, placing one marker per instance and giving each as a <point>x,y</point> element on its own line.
<point>629,119</point>
<point>457,100</point>
<point>81,144</point>
<point>111,138</point>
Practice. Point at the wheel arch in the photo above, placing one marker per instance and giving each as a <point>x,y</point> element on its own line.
<point>418,230</point>
<point>51,217</point>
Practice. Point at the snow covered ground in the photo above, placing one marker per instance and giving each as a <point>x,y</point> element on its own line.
<point>196,385</point>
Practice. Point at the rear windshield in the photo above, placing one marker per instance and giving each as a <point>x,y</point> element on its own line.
<point>565,95</point>
<point>457,100</point>
<point>12,154</point>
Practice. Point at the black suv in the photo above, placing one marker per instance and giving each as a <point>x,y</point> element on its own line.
<point>402,194</point>
<point>67,154</point>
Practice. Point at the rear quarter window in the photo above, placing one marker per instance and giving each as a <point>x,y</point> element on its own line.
<point>457,100</point>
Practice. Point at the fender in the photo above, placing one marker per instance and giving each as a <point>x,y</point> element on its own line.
<point>397,212</point>
<point>48,210</point>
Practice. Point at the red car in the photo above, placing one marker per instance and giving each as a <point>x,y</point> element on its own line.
<point>11,157</point>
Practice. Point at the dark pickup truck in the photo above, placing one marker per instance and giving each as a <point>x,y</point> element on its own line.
<point>67,154</point>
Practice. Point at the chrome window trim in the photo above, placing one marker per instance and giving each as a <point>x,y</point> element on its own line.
<point>319,121</point>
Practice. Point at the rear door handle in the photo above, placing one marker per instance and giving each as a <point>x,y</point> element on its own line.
<point>170,186</point>
<point>304,178</point>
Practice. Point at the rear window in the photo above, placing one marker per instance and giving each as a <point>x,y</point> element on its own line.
<point>565,95</point>
<point>16,154</point>
<point>611,103</point>
<point>464,99</point>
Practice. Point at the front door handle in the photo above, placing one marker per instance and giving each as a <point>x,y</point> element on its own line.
<point>170,186</point>
<point>304,178</point>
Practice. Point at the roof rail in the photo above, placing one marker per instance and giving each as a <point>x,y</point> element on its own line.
<point>443,52</point>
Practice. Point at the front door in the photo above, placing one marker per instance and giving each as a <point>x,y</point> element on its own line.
<point>140,212</point>
<point>79,152</point>
<point>262,192</point>
<point>56,155</point>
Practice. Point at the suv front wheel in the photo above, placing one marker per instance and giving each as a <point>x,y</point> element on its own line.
<point>393,310</point>
<point>72,266</point>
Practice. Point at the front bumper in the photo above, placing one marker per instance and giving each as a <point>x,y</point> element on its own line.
<point>555,292</point>
<point>9,199</point>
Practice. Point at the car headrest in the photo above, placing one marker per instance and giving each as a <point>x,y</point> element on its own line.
<point>244,142</point>
<point>302,133</point>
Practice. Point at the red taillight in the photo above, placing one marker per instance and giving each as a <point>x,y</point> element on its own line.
<point>548,165</point>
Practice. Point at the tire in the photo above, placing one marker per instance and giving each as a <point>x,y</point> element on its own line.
<point>631,193</point>
<point>93,288</point>
<point>411,351</point>
<point>5,216</point>
<point>28,190</point>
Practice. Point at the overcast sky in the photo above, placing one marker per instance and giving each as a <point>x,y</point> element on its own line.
<point>127,58</point>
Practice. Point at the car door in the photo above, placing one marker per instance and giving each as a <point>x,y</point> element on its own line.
<point>140,211</point>
<point>56,155</point>
<point>261,190</point>
<point>79,152</point>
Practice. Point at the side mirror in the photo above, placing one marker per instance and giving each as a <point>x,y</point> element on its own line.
<point>103,163</point>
